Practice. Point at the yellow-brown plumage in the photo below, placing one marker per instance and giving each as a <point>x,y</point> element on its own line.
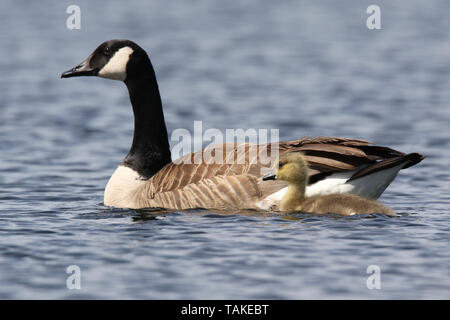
<point>293,168</point>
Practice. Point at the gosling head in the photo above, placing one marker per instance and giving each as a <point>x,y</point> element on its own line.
<point>113,59</point>
<point>291,167</point>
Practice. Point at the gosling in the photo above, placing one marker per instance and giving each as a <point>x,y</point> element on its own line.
<point>292,167</point>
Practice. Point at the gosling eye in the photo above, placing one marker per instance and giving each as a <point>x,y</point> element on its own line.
<point>280,164</point>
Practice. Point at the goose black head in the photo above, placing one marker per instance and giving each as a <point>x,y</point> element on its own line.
<point>113,59</point>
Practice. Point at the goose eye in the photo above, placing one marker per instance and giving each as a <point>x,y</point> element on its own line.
<point>107,51</point>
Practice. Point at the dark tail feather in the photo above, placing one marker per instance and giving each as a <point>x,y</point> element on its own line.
<point>414,158</point>
<point>408,159</point>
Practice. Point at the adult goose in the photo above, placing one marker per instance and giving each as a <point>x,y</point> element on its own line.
<point>147,177</point>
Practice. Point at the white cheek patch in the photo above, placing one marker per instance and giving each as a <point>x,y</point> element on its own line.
<point>116,67</point>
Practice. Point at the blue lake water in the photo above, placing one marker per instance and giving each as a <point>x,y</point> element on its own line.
<point>307,68</point>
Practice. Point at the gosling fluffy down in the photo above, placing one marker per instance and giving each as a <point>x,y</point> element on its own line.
<point>293,168</point>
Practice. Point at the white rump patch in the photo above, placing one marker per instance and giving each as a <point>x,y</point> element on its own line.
<point>116,68</point>
<point>371,186</point>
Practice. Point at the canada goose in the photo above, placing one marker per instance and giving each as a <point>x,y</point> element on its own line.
<point>147,177</point>
<point>293,168</point>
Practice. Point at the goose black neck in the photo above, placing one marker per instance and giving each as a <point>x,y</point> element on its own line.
<point>150,150</point>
